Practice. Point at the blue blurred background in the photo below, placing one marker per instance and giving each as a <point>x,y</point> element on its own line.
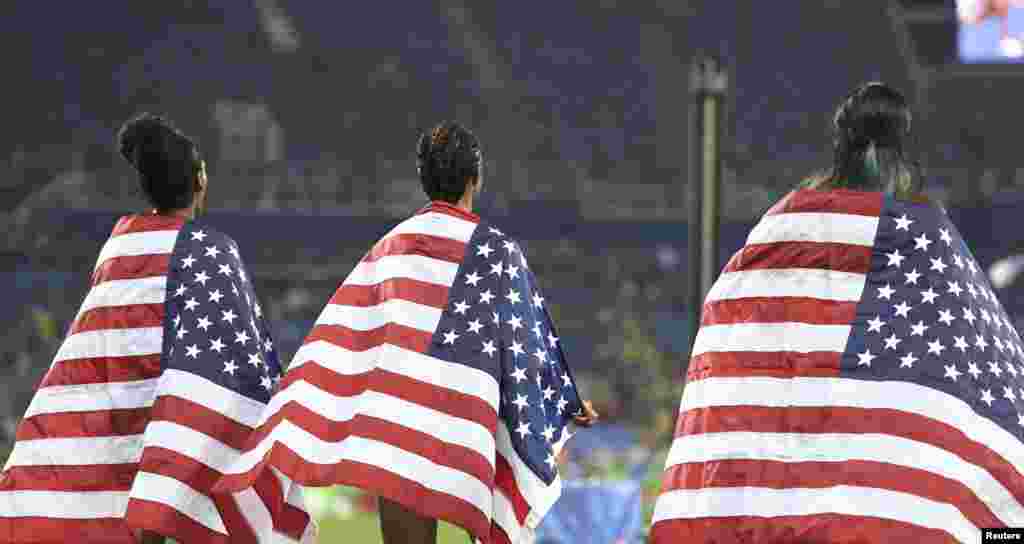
<point>308,112</point>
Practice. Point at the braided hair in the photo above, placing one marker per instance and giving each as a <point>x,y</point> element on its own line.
<point>447,158</point>
<point>871,127</point>
<point>167,161</point>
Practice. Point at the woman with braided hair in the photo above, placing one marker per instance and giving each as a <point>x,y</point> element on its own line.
<point>434,377</point>
<point>821,404</point>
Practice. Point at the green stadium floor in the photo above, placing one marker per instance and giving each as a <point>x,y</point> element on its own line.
<point>365,529</point>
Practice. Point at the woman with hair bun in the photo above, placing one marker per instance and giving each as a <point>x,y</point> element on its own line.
<point>834,393</point>
<point>433,378</point>
<point>161,376</point>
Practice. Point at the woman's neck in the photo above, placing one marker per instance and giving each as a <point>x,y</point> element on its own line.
<point>184,213</point>
<point>466,202</point>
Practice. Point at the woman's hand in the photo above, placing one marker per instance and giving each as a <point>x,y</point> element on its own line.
<point>588,416</point>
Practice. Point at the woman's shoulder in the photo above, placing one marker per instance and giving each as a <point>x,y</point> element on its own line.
<point>140,223</point>
<point>208,236</point>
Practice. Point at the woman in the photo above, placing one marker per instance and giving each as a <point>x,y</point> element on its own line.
<point>433,378</point>
<point>832,393</point>
<point>159,377</point>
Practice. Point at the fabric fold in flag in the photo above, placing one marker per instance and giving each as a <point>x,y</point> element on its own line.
<point>433,377</point>
<point>854,378</point>
<point>152,395</point>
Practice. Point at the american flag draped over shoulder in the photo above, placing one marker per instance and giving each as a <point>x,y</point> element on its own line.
<point>433,377</point>
<point>164,371</point>
<point>854,379</point>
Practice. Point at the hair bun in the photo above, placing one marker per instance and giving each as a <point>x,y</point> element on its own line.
<point>141,136</point>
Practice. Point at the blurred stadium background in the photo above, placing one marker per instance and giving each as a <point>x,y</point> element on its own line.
<point>308,112</point>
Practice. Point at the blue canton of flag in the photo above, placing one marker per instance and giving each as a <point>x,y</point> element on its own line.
<point>498,321</point>
<point>928,316</point>
<point>216,326</point>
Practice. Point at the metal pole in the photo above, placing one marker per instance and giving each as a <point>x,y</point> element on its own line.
<point>707,85</point>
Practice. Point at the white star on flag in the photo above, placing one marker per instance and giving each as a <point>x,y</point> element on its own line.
<point>217,345</point>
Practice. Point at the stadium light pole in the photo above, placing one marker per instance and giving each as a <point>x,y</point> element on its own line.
<point>708,83</point>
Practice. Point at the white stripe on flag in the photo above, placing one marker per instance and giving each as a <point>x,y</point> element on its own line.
<point>212,396</point>
<point>412,267</point>
<point>839,228</point>
<point>771,337</point>
<point>367,318</point>
<point>111,343</point>
<point>125,293</point>
<point>446,428</point>
<point>95,450</point>
<point>292,491</point>
<point>63,504</point>
<point>788,282</point>
<point>505,516</point>
<point>256,514</point>
<point>378,454</point>
<point>179,496</point>
<point>138,243</point>
<point>190,443</point>
<point>867,394</point>
<point>411,364</point>
<point>837,448</point>
<point>844,500</point>
<point>435,224</point>
<point>90,397</point>
<point>539,495</point>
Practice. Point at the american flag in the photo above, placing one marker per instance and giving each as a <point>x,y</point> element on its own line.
<point>854,379</point>
<point>163,374</point>
<point>433,377</point>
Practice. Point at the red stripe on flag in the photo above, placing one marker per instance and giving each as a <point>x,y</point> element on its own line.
<point>448,401</point>
<point>201,478</point>
<point>435,247</point>
<point>166,521</point>
<point>157,460</point>
<point>411,440</point>
<point>112,477</point>
<point>131,267</point>
<point>420,292</point>
<point>831,201</point>
<point>498,535</point>
<point>815,475</point>
<point>505,480</point>
<point>103,370</point>
<point>814,255</point>
<point>131,224</point>
<point>63,531</point>
<point>287,519</point>
<point>830,528</point>
<point>373,480</point>
<point>769,364</point>
<point>778,310</point>
<point>200,418</point>
<point>119,317</point>
<point>95,423</point>
<point>353,340</point>
<point>843,420</point>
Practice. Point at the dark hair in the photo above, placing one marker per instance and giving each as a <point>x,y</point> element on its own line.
<point>167,160</point>
<point>871,128</point>
<point>446,159</point>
